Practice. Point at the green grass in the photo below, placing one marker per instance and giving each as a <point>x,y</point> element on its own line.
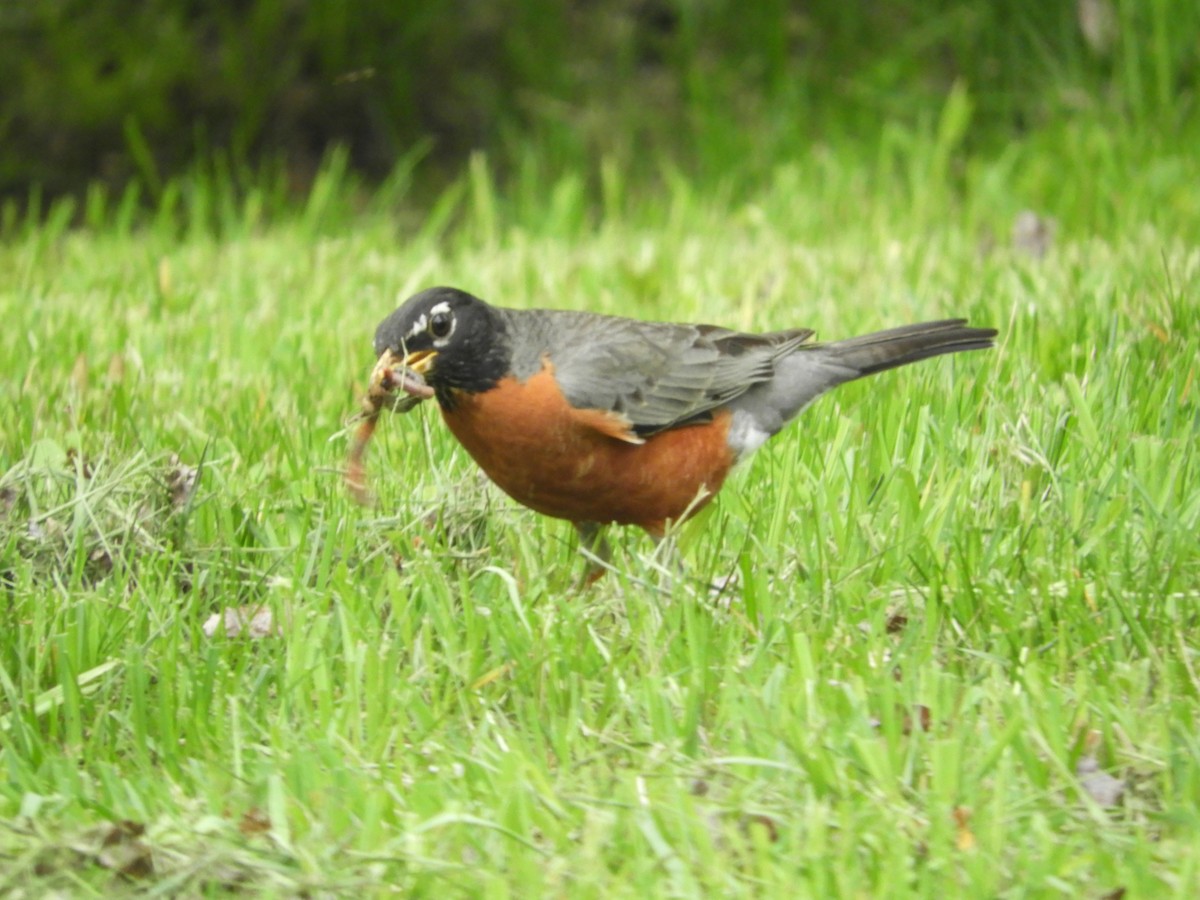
<point>1000,546</point>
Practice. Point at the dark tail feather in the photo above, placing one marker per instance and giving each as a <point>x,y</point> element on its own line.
<point>885,350</point>
<point>812,369</point>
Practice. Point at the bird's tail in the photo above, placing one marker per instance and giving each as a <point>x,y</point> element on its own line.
<point>894,347</point>
<point>812,369</point>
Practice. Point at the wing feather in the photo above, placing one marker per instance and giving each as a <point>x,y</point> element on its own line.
<point>656,375</point>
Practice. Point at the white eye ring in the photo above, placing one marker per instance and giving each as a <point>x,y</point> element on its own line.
<point>441,324</point>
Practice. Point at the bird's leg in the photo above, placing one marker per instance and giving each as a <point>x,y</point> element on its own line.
<point>672,569</point>
<point>595,550</point>
<point>667,559</point>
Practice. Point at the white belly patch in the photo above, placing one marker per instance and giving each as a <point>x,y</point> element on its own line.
<point>745,435</point>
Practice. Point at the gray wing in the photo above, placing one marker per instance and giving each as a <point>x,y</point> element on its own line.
<point>657,375</point>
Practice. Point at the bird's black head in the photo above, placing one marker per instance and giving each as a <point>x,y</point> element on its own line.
<point>456,341</point>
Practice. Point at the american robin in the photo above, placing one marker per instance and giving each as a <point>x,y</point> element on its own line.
<point>600,419</point>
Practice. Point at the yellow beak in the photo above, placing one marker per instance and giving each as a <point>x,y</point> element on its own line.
<point>419,362</point>
<point>381,391</point>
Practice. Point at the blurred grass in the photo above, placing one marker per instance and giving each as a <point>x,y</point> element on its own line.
<point>1002,544</point>
<point>130,92</point>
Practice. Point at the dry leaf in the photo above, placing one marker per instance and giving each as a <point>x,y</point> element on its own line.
<point>1098,23</point>
<point>1100,786</point>
<point>164,277</point>
<point>254,821</point>
<point>75,458</point>
<point>488,677</point>
<point>355,75</point>
<point>120,832</point>
<point>964,838</point>
<point>921,719</point>
<point>116,368</point>
<point>1033,234</point>
<point>722,584</point>
<point>101,562</point>
<point>79,373</point>
<point>254,622</point>
<point>123,852</point>
<point>761,821</point>
<point>181,482</point>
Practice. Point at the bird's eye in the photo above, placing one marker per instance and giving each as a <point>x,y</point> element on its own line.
<point>440,324</point>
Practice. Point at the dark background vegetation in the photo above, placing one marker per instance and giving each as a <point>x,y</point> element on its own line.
<point>142,90</point>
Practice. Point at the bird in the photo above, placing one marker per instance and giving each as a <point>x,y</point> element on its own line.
<point>602,419</point>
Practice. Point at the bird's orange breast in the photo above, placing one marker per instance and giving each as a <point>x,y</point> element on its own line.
<point>566,463</point>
